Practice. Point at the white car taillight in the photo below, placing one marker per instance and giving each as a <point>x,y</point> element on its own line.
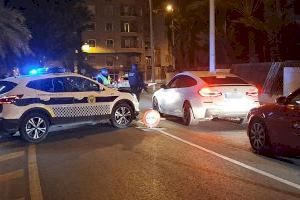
<point>8,99</point>
<point>252,93</point>
<point>208,92</point>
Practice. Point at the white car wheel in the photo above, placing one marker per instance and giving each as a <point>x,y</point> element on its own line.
<point>188,116</point>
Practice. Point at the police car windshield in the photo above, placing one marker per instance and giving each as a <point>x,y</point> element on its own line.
<point>6,86</point>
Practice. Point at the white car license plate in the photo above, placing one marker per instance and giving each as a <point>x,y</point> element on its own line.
<point>233,95</point>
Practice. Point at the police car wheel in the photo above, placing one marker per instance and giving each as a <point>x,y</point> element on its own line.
<point>34,128</point>
<point>122,115</point>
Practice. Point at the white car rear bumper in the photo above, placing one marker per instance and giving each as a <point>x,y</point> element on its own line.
<point>211,110</point>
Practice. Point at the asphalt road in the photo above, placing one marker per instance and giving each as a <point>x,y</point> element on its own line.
<point>212,160</point>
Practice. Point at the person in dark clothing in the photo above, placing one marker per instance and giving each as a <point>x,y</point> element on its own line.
<point>136,81</point>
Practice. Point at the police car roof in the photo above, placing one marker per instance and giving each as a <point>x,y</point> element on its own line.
<point>19,79</point>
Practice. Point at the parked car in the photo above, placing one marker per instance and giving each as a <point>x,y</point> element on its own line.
<point>31,104</point>
<point>199,95</point>
<point>276,126</point>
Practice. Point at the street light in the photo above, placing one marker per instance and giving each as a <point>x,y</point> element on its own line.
<point>170,9</point>
<point>85,48</point>
<point>212,40</point>
<point>152,45</point>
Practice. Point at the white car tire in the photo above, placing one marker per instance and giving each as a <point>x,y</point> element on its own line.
<point>155,106</point>
<point>188,116</point>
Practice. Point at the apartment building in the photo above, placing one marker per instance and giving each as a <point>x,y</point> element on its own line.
<point>119,36</point>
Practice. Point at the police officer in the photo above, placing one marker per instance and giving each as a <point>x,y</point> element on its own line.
<point>103,77</point>
<point>136,81</point>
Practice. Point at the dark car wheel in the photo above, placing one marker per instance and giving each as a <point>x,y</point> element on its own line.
<point>34,127</point>
<point>188,116</point>
<point>122,115</point>
<point>258,136</point>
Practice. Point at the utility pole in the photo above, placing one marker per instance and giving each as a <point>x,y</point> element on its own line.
<point>212,40</point>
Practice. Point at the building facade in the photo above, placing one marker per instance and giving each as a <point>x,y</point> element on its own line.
<point>119,36</point>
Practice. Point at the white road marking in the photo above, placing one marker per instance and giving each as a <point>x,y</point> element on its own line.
<point>33,173</point>
<point>11,175</point>
<point>11,156</point>
<point>261,172</point>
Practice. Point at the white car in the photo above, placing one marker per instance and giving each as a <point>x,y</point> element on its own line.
<point>201,95</point>
<point>31,104</point>
<point>123,82</point>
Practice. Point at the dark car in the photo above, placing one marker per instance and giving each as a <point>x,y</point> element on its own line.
<point>276,127</point>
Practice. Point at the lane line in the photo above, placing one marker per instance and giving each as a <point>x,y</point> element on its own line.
<point>33,173</point>
<point>261,172</point>
<point>11,175</point>
<point>11,156</point>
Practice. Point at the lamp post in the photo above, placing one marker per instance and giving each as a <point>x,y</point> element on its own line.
<point>212,40</point>
<point>170,9</point>
<point>152,44</point>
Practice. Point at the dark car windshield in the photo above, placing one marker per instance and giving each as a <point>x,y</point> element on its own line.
<point>6,86</point>
<point>220,80</point>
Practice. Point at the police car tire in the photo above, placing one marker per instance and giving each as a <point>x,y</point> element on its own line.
<point>45,126</point>
<point>116,122</point>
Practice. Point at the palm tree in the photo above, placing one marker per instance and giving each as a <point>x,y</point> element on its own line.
<point>275,19</point>
<point>14,35</point>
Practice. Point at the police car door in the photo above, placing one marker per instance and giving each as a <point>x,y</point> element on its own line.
<point>90,102</point>
<point>52,96</point>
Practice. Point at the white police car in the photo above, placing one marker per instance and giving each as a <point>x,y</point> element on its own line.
<point>31,104</point>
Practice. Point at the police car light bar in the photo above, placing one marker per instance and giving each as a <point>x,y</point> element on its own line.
<point>47,70</point>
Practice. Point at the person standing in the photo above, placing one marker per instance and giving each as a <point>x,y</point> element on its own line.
<point>103,77</point>
<point>136,81</point>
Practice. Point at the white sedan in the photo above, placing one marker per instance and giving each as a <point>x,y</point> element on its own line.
<point>200,95</point>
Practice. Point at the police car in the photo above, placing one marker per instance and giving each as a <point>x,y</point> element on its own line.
<point>31,104</point>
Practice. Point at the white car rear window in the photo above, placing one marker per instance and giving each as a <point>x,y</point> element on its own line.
<point>220,80</point>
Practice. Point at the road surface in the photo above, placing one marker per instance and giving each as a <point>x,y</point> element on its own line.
<point>212,160</point>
